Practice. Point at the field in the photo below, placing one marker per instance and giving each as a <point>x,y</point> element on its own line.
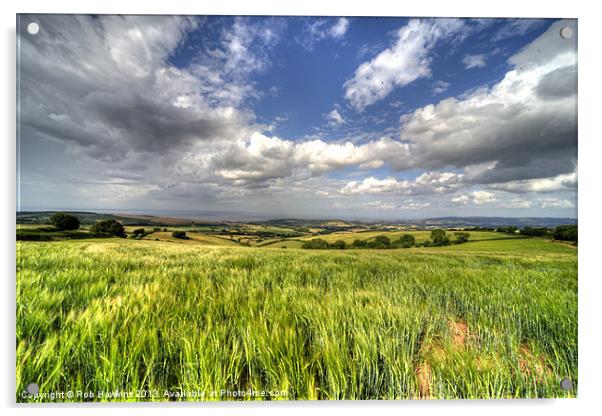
<point>493,318</point>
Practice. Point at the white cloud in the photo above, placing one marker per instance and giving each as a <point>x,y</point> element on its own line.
<point>104,86</point>
<point>378,204</point>
<point>517,27</point>
<point>555,203</point>
<point>522,127</point>
<point>120,106</point>
<point>428,182</point>
<point>321,29</point>
<point>262,158</point>
<point>372,185</point>
<point>320,156</point>
<point>339,29</point>
<point>558,183</point>
<point>334,117</point>
<point>477,197</point>
<point>461,200</point>
<point>414,205</point>
<point>473,61</point>
<point>482,197</point>
<point>406,61</point>
<point>440,87</point>
<point>517,203</point>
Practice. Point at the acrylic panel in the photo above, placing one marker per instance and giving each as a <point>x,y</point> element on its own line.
<point>216,208</point>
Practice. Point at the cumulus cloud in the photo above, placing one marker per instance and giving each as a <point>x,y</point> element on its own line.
<point>510,127</point>
<point>428,182</point>
<point>461,200</point>
<point>476,197</point>
<point>474,61</point>
<point>555,203</point>
<point>482,197</point>
<point>263,158</point>
<point>404,62</point>
<point>372,185</point>
<point>320,156</point>
<point>106,90</point>
<point>104,85</point>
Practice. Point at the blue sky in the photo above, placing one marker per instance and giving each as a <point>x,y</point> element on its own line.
<point>383,118</point>
<point>308,79</point>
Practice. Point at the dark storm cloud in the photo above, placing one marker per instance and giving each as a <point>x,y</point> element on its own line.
<point>549,165</point>
<point>559,83</point>
<point>103,85</point>
<point>524,142</point>
<point>158,126</point>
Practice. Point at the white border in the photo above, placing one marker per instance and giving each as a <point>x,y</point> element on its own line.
<point>589,195</point>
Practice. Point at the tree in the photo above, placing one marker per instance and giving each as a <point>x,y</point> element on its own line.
<point>62,221</point>
<point>406,241</point>
<point>315,243</point>
<point>138,231</point>
<point>566,233</point>
<point>439,238</point>
<point>339,244</point>
<point>461,237</point>
<point>359,243</point>
<point>380,241</point>
<point>112,227</point>
<point>179,234</point>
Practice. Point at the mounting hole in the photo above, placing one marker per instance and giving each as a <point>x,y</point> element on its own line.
<point>566,384</point>
<point>566,32</point>
<point>32,388</point>
<point>33,28</point>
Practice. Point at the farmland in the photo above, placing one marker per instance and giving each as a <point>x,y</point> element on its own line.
<point>492,318</point>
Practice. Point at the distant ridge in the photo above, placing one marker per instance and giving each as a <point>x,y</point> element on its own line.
<point>90,217</point>
<point>448,222</point>
<point>495,221</point>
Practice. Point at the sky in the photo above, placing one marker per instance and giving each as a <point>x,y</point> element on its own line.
<point>317,117</point>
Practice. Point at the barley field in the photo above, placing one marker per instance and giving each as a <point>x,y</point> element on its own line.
<point>160,319</point>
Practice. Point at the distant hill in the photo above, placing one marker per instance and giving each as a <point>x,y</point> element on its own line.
<point>494,221</point>
<point>444,222</point>
<point>88,218</point>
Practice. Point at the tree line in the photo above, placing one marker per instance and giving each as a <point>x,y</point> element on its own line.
<point>562,232</point>
<point>67,222</point>
<point>438,238</point>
